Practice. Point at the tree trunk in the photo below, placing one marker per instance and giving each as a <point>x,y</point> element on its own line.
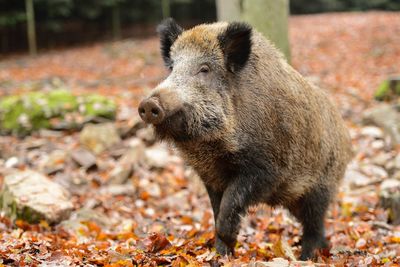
<point>30,19</point>
<point>270,17</point>
<point>166,8</point>
<point>116,22</point>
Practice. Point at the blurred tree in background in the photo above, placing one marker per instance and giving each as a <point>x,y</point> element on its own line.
<point>270,17</point>
<point>69,22</point>
<point>318,6</point>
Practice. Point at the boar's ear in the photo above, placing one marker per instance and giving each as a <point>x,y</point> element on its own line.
<point>168,31</point>
<point>235,43</point>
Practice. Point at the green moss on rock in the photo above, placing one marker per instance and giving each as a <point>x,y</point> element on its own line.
<point>388,90</point>
<point>21,114</point>
<point>97,106</point>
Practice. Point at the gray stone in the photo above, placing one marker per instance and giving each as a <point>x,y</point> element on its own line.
<point>372,131</point>
<point>99,137</point>
<point>381,159</point>
<point>356,179</point>
<point>77,219</point>
<point>53,161</point>
<point>118,189</point>
<point>397,162</point>
<point>390,199</point>
<point>30,196</point>
<point>157,156</point>
<point>386,117</point>
<point>84,158</point>
<point>147,135</point>
<point>124,168</point>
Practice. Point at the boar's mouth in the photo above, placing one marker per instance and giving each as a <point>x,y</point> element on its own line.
<point>174,127</point>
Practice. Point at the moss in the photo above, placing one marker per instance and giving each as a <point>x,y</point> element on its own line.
<point>97,106</point>
<point>383,91</point>
<point>387,90</point>
<point>22,114</point>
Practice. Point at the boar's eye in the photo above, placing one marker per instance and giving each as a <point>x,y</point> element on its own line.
<point>204,69</point>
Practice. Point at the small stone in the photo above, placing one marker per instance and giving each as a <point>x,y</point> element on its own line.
<point>397,162</point>
<point>374,171</point>
<point>120,174</point>
<point>124,168</point>
<point>77,219</point>
<point>361,243</point>
<point>378,144</point>
<point>130,129</point>
<point>356,179</point>
<point>84,158</point>
<point>147,135</point>
<point>276,262</point>
<point>116,189</point>
<point>99,137</point>
<point>381,159</point>
<point>30,196</point>
<point>153,189</point>
<point>11,162</point>
<point>157,156</point>
<point>389,197</point>
<point>386,117</point>
<point>396,175</point>
<point>372,131</point>
<point>53,162</point>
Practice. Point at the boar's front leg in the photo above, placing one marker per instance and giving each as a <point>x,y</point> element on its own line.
<point>236,198</point>
<point>215,199</point>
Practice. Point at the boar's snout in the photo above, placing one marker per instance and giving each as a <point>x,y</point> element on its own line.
<point>151,111</point>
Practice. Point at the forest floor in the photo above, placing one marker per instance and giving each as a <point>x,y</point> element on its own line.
<point>162,215</point>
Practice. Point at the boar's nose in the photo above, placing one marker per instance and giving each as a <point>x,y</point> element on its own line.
<point>151,111</point>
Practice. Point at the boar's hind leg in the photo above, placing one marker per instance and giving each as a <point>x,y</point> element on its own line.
<point>310,211</point>
<point>234,203</point>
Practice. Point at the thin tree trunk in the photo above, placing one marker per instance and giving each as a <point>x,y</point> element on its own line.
<point>166,8</point>
<point>116,22</point>
<point>270,17</point>
<point>30,19</point>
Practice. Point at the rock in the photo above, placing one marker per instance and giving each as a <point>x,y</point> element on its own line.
<point>389,197</point>
<point>78,218</point>
<point>396,175</point>
<point>123,170</point>
<point>84,158</point>
<point>397,162</point>
<point>276,262</point>
<point>30,196</point>
<point>118,189</point>
<point>381,159</point>
<point>11,162</point>
<point>361,243</point>
<point>99,137</point>
<point>372,131</point>
<point>157,156</point>
<point>53,162</point>
<point>356,179</point>
<point>129,129</point>
<point>388,90</point>
<point>147,135</point>
<point>283,249</point>
<point>388,118</point>
<point>120,174</point>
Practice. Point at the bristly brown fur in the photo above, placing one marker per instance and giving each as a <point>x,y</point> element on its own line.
<point>253,128</point>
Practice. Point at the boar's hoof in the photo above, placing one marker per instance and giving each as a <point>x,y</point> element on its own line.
<point>151,111</point>
<point>222,248</point>
<point>309,248</point>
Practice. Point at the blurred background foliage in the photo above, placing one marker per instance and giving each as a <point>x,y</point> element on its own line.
<point>64,20</point>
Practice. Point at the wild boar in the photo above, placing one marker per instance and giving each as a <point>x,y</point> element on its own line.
<point>250,125</point>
